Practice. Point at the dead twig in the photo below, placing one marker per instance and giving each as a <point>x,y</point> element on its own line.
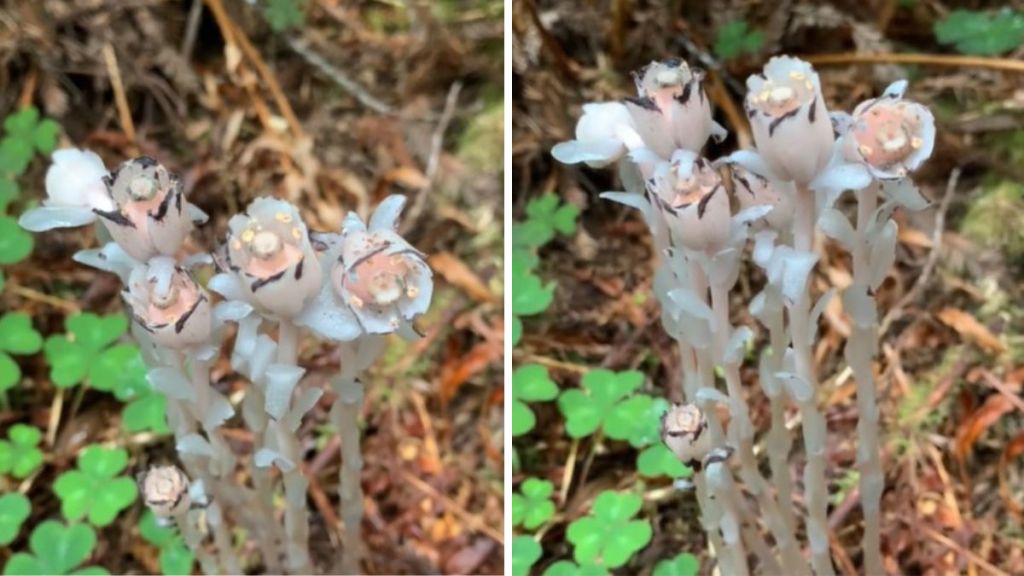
<point>302,47</point>
<point>897,311</point>
<point>120,99</point>
<point>436,147</point>
<point>1004,64</point>
<point>452,506</point>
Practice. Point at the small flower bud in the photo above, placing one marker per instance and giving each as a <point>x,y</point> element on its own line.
<point>150,215</point>
<point>789,120</point>
<point>168,303</point>
<point>165,490</point>
<point>684,429</point>
<point>889,135</point>
<point>689,192</point>
<point>269,253</point>
<point>74,188</point>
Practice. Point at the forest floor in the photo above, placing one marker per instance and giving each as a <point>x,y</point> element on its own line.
<point>356,102</point>
<point>951,361</point>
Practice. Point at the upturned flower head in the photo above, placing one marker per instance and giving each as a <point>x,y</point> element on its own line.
<point>168,303</point>
<point>378,282</point>
<point>165,490</point>
<point>604,134</point>
<point>889,135</point>
<point>752,190</point>
<point>684,429</point>
<point>789,120</point>
<point>690,194</point>
<point>150,216</point>
<point>671,111</point>
<point>74,188</point>
<point>268,253</point>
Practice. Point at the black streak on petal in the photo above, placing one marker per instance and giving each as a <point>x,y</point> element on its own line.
<point>161,210</point>
<point>145,162</point>
<point>264,281</point>
<point>298,268</point>
<point>812,109</point>
<point>180,324</point>
<point>739,178</point>
<point>702,206</point>
<point>116,217</point>
<point>685,96</point>
<point>646,103</point>
<point>775,123</point>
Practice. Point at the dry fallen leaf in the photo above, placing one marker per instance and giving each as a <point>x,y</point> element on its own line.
<point>1014,449</point>
<point>456,273</point>
<point>978,422</point>
<point>968,327</point>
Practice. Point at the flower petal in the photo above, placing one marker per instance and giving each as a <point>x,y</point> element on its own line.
<point>45,218</point>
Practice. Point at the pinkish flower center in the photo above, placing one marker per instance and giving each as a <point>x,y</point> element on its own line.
<point>142,188</point>
<point>885,136</point>
<point>694,187</point>
<point>167,308</point>
<point>266,245</point>
<point>380,279</point>
<point>268,252</point>
<point>778,98</point>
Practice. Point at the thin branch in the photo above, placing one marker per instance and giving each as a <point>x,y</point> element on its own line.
<point>302,47</point>
<point>1004,64</point>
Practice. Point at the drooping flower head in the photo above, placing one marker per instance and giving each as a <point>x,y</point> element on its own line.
<point>789,119</point>
<point>690,194</point>
<point>165,490</point>
<point>74,188</point>
<point>272,262</point>
<point>684,429</point>
<point>378,282</point>
<point>669,113</point>
<point>168,303</point>
<point>150,215</point>
<point>889,135</point>
<point>752,189</point>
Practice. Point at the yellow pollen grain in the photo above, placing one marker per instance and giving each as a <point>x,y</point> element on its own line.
<point>296,233</point>
<point>916,143</point>
<point>865,150</point>
<point>248,235</point>
<point>797,75</point>
<point>356,301</point>
<point>283,217</point>
<point>412,291</point>
<point>809,85</point>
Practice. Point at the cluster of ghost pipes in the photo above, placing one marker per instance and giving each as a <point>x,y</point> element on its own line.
<point>351,288</point>
<point>805,159</point>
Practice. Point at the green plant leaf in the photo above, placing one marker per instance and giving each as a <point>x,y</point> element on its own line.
<point>525,553</point>
<point>636,419</point>
<point>15,155</point>
<point>146,412</point>
<point>587,409</point>
<point>523,419</point>
<point>17,335</point>
<point>533,507</point>
<point>685,564</point>
<point>529,383</point>
<point>285,14</point>
<point>45,136</point>
<point>72,355</point>
<point>121,370</point>
<point>981,33</point>
<point>517,326</point>
<point>176,558</point>
<point>69,361</point>
<point>609,536</point>
<point>8,192</point>
<point>569,568</point>
<point>14,510</point>
<point>658,460</point>
<point>20,455</point>
<point>736,38</point>
<point>56,549</point>
<point>529,296</point>
<point>544,217</point>
<point>10,372</point>
<point>15,243</point>
<point>96,332</point>
<point>153,532</point>
<point>22,124</point>
<point>95,490</point>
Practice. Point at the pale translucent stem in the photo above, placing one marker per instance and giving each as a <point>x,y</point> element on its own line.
<point>269,533</point>
<point>860,350</point>
<point>296,516</point>
<point>814,424</point>
<point>222,538</point>
<point>194,539</point>
<point>741,433</point>
<point>779,440</point>
<point>734,557</point>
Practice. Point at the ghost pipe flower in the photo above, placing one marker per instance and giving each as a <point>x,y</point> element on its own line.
<point>690,194</point>
<point>74,190</point>
<point>168,303</point>
<point>890,137</point>
<point>789,120</point>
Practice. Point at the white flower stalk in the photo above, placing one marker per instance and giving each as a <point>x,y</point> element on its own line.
<point>891,137</point>
<point>74,191</point>
<point>789,119</point>
<point>269,260</point>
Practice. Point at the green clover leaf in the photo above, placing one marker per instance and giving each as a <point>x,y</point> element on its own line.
<point>685,564</point>
<point>95,490</point>
<point>609,536</point>
<point>56,549</point>
<point>980,33</point>
<point>285,14</point>
<point>544,217</point>
<point>14,510</point>
<point>17,336</point>
<point>26,134</point>
<point>72,355</point>
<point>587,409</point>
<point>636,419</point>
<point>146,412</point>
<point>529,296</point>
<point>8,192</point>
<point>175,557</point>
<point>530,383</point>
<point>121,371</point>
<point>736,38</point>
<point>15,243</point>
<point>525,553</point>
<point>533,507</point>
<point>20,456</point>
<point>569,568</point>
<point>658,460</point>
